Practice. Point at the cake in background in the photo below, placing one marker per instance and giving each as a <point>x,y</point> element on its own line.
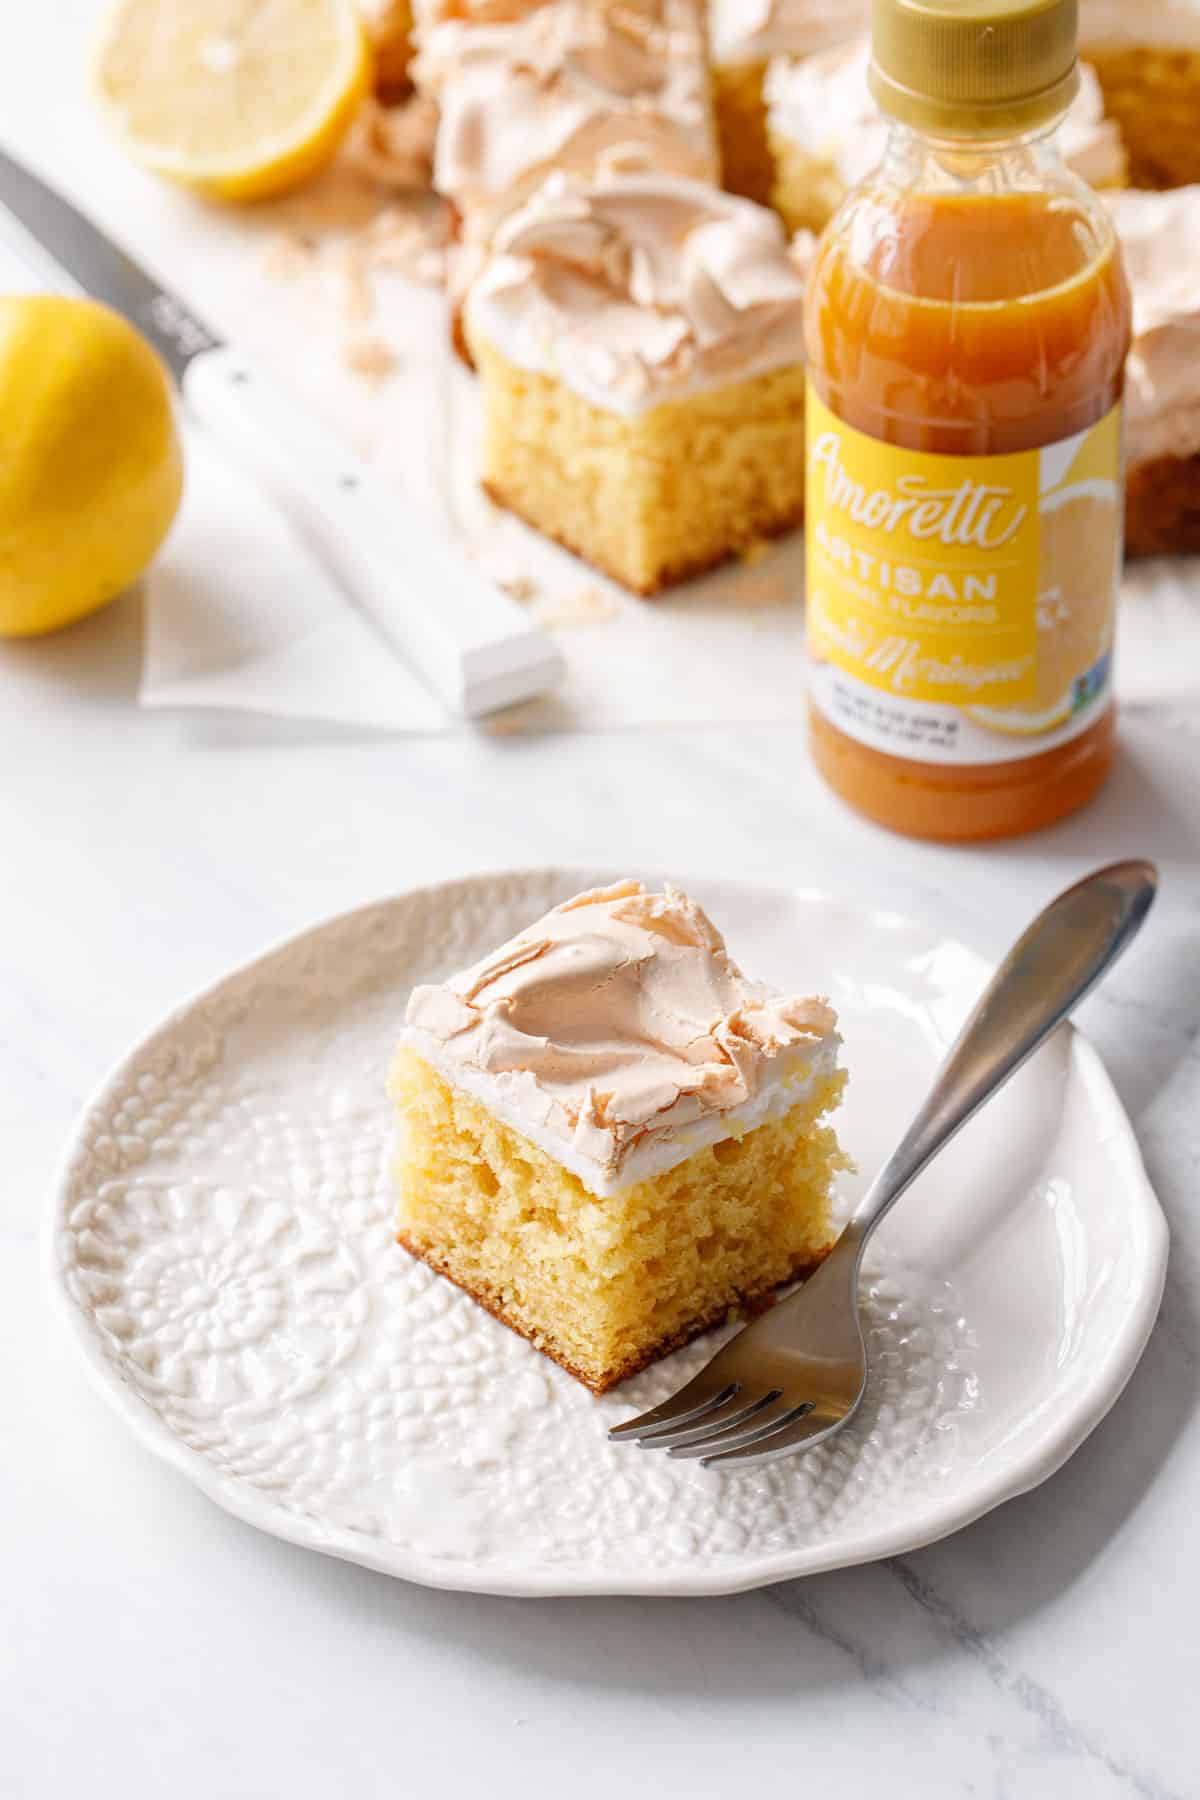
<point>1147,57</point>
<point>580,87</point>
<point>477,12</point>
<point>743,37</point>
<point>389,25</point>
<point>1160,237</point>
<point>571,87</point>
<point>826,132</point>
<point>612,1139</point>
<point>640,344</point>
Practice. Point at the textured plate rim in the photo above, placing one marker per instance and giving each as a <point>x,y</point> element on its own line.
<point>1043,1453</point>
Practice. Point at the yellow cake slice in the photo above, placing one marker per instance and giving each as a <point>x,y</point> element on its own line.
<point>1147,57</point>
<point>743,37</point>
<point>826,133</point>
<point>580,87</point>
<point>640,342</point>
<point>389,25</point>
<point>429,13</point>
<point>1160,241</point>
<point>609,1137</point>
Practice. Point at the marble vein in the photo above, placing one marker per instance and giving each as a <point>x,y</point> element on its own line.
<point>1030,1695</point>
<point>796,1600</point>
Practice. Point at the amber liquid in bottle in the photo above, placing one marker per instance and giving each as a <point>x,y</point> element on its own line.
<point>969,301</point>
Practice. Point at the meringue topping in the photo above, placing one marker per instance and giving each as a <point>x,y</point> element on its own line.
<point>749,31</point>
<point>580,87</point>
<point>427,13</point>
<point>1131,24</point>
<point>823,105</point>
<point>618,1032</point>
<point>641,290</point>
<point>1160,239</point>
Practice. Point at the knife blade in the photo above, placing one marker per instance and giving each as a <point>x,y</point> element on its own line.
<point>475,647</point>
<point>102,269</point>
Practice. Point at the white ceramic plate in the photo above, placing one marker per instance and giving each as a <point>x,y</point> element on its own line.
<point>221,1246</point>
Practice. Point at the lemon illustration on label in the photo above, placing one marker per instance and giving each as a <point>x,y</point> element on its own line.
<point>1080,543</point>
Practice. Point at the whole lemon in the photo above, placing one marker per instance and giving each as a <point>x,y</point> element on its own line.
<point>91,471</point>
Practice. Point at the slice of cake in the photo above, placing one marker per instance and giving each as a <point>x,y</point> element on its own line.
<point>1160,237</point>
<point>1148,60</point>
<point>389,25</point>
<point>640,343</point>
<point>611,1138</point>
<point>743,37</point>
<point>826,133</point>
<point>428,13</point>
<point>581,87</point>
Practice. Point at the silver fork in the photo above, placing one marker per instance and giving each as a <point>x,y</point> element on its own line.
<point>796,1375</point>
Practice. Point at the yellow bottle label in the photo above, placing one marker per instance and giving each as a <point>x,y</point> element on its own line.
<point>961,608</point>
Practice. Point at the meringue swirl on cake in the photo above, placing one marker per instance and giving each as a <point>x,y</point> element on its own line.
<point>1126,24</point>
<point>618,1034</point>
<point>576,87</point>
<point>749,31</point>
<point>1160,239</point>
<point>822,105</point>
<point>641,290</point>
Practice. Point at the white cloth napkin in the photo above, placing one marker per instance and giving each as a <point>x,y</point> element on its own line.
<point>241,615</point>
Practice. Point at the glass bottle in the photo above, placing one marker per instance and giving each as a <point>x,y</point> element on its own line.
<point>966,330</point>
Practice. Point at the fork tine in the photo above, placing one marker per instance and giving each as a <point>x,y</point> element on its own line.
<point>698,1396</point>
<point>813,1424</point>
<point>738,1410</point>
<point>735,1434</point>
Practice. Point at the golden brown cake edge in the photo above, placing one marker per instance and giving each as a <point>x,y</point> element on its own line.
<point>1151,92</point>
<point>1162,507</point>
<point>757,1300</point>
<point>740,116</point>
<point>671,577</point>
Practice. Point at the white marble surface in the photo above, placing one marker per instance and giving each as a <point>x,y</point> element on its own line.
<point>152,1645</point>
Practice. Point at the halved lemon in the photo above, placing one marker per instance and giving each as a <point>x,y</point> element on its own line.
<point>240,99</point>
<point>1080,541</point>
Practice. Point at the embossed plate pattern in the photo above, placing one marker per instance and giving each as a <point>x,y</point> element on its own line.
<point>221,1247</point>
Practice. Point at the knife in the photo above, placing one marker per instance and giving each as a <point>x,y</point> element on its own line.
<point>468,641</point>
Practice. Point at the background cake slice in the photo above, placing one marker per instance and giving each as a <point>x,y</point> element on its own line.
<point>611,1138</point>
<point>1147,57</point>
<point>1160,238</point>
<point>827,133</point>
<point>389,25</point>
<point>579,86</point>
<point>641,348</point>
<point>743,37</point>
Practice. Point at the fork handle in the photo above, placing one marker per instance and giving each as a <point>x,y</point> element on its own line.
<point>1058,960</point>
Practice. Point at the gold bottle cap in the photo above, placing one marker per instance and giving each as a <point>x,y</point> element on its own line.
<point>974,68</point>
